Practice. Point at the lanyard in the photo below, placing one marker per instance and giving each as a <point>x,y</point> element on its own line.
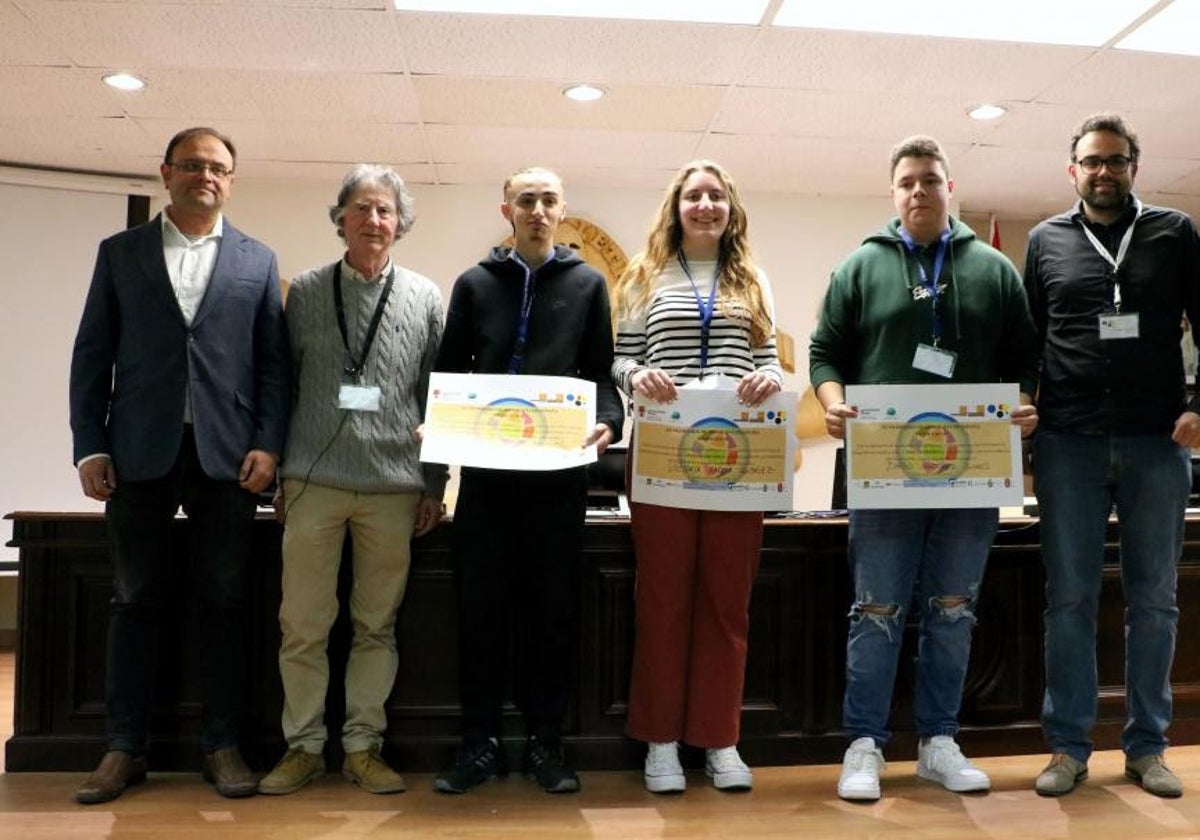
<point>518,353</point>
<point>706,307</point>
<point>930,284</point>
<point>1122,250</point>
<point>355,367</point>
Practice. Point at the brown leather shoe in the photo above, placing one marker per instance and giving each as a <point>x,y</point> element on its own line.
<point>116,771</point>
<point>225,769</point>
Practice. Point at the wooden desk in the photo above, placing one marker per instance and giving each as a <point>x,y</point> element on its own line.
<point>794,677</point>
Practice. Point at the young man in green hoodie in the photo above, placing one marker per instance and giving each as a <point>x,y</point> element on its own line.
<point>921,302</point>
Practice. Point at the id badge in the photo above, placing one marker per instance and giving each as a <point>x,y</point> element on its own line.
<point>1118,326</point>
<point>359,397</point>
<point>934,360</point>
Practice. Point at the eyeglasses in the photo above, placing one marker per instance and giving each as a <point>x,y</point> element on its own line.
<point>195,167</point>
<point>1092,164</point>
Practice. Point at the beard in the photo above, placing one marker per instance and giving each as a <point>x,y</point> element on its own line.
<point>1112,199</point>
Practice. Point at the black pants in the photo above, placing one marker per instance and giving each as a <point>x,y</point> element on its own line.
<point>140,522</point>
<point>517,543</point>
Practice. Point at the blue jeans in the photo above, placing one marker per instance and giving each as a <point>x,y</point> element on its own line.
<point>1079,479</point>
<point>936,557</point>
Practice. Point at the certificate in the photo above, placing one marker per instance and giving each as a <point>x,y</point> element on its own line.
<point>706,451</point>
<point>933,446</point>
<point>509,422</point>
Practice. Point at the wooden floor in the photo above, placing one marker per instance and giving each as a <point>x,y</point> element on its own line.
<point>787,802</point>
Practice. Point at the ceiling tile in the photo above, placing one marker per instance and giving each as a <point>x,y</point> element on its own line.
<point>118,35</point>
<point>517,102</point>
<point>567,50</point>
<point>512,148</point>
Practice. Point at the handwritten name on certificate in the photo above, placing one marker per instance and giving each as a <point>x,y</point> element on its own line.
<point>509,422</point>
<point>933,446</point>
<point>706,451</point>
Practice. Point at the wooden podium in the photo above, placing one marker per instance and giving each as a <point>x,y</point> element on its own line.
<point>794,680</point>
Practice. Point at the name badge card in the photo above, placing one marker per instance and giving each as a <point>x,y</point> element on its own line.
<point>934,360</point>
<point>359,397</point>
<point>1118,326</point>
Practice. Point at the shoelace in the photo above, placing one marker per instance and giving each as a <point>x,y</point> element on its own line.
<point>861,760</point>
<point>664,760</point>
<point>945,758</point>
<point>724,761</point>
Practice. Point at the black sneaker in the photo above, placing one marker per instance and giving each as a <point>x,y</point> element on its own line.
<point>473,765</point>
<point>544,763</point>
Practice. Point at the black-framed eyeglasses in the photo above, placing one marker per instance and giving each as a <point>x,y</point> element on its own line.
<point>195,167</point>
<point>1116,164</point>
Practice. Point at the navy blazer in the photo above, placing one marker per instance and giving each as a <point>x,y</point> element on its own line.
<point>135,358</point>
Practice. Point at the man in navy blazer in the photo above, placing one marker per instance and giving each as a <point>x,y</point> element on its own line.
<point>180,392</point>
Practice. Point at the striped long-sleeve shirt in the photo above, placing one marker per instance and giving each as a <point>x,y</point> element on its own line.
<point>667,334</point>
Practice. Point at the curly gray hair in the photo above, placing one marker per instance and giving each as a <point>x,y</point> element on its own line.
<point>383,176</point>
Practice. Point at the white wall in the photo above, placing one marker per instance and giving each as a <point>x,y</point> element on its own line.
<point>48,240</point>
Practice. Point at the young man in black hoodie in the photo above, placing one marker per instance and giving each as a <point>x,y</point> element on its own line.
<point>534,309</point>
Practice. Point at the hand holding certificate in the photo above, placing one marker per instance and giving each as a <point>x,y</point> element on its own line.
<point>933,446</point>
<point>509,422</point>
<point>706,451</point>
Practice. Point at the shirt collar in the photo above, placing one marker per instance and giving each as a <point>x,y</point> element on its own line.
<point>516,257</point>
<point>1121,221</point>
<point>172,233</point>
<point>354,274</point>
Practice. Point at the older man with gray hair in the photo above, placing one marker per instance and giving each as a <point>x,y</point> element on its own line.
<point>366,334</point>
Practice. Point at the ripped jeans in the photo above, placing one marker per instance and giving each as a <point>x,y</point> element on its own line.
<point>931,560</point>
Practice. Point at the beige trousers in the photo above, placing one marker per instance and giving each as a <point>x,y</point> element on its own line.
<point>381,528</point>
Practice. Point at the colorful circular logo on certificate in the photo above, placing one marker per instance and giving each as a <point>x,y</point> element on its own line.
<point>933,446</point>
<point>714,449</point>
<point>511,420</point>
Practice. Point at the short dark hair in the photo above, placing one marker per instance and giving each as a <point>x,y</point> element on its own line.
<point>919,145</point>
<point>1107,121</point>
<point>199,131</point>
<point>529,170</point>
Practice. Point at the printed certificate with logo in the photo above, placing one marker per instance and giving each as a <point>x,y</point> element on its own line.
<point>509,422</point>
<point>933,446</point>
<point>706,451</point>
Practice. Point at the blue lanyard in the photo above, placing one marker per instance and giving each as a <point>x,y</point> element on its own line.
<point>705,306</point>
<point>931,283</point>
<point>518,352</point>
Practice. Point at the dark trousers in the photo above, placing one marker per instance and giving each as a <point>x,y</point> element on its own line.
<point>518,537</point>
<point>140,516</point>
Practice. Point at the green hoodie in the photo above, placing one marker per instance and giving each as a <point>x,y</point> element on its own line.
<point>876,312</point>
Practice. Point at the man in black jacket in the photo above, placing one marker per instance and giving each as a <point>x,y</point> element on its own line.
<point>533,309</point>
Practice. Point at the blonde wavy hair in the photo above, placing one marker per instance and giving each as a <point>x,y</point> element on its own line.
<point>739,288</point>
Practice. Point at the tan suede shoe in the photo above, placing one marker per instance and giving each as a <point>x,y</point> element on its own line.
<point>1151,772</point>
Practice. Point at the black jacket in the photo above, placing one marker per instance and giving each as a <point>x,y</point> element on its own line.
<point>570,324</point>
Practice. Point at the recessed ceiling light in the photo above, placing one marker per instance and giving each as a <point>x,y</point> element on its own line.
<point>124,81</point>
<point>987,112</point>
<point>584,93</point>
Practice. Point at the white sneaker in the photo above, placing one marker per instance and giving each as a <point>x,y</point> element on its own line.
<point>727,770</point>
<point>940,760</point>
<point>664,773</point>
<point>861,767</point>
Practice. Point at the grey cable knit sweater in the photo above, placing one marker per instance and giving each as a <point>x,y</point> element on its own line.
<point>373,451</point>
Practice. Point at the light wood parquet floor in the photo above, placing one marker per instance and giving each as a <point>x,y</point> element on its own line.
<point>787,802</point>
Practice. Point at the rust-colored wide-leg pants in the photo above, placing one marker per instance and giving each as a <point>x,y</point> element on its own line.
<point>695,570</point>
